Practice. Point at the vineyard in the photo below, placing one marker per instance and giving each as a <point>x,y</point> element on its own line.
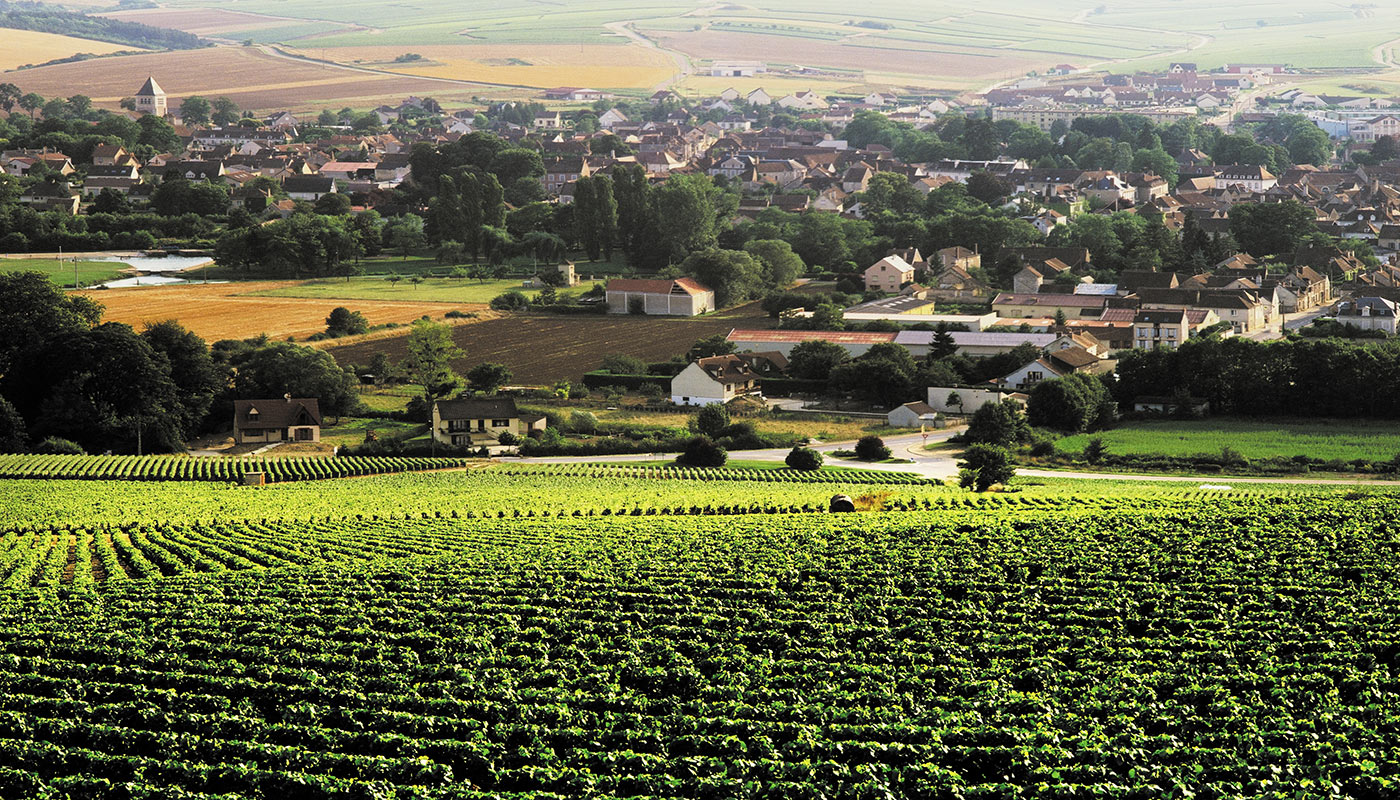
<point>182,468</point>
<point>1035,646</point>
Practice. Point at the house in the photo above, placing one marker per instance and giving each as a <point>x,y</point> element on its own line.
<point>888,274</point>
<point>1026,377</point>
<point>914,415</point>
<point>308,187</point>
<point>737,69</point>
<point>111,155</point>
<point>718,379</point>
<point>284,419</point>
<point>959,257</point>
<point>758,97</point>
<point>612,117</point>
<point>683,297</point>
<point>1019,305</point>
<point>1252,178</point>
<point>1165,328</point>
<point>478,422</point>
<point>52,196</point>
<point>150,99</point>
<point>1369,314</point>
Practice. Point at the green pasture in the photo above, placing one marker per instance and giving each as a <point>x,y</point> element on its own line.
<point>1324,439</point>
<point>61,272</point>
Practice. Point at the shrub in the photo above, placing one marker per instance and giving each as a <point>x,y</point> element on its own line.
<point>455,314</point>
<point>1042,448</point>
<point>872,448</point>
<point>710,420</point>
<point>985,465</point>
<point>510,301</point>
<point>702,451</point>
<point>583,422</point>
<point>53,445</point>
<point>804,458</point>
<point>1002,424</point>
<point>508,439</point>
<point>1095,450</point>
<point>621,364</point>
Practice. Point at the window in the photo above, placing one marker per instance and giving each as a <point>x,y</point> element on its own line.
<point>1171,333</point>
<point>500,423</point>
<point>252,415</point>
<point>459,424</point>
<point>1034,376</point>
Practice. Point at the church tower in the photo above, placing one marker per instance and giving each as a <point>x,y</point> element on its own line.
<point>151,98</point>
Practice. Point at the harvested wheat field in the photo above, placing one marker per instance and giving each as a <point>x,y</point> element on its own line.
<point>251,78</point>
<point>602,66</point>
<point>18,48</point>
<point>224,311</point>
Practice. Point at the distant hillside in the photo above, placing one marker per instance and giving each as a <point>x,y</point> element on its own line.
<point>47,19</point>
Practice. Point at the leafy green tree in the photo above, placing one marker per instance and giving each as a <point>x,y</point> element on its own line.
<point>1072,404</point>
<point>488,377</point>
<point>333,204</point>
<point>734,275</point>
<point>428,364</point>
<point>781,266</point>
<point>198,380</point>
<point>283,368</point>
<point>14,434</point>
<point>195,110</point>
<point>224,111</point>
<point>1002,424</point>
<point>1265,229</point>
<point>595,216</point>
<point>985,465</point>
<point>815,359</point>
<point>701,451</point>
<point>1308,144</point>
<point>344,322</point>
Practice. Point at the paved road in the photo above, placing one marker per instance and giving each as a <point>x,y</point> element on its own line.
<point>942,464</point>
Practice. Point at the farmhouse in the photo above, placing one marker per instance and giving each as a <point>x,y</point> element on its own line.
<point>737,69</point>
<point>913,415</point>
<point>308,187</point>
<point>682,297</point>
<point>475,421</point>
<point>285,419</point>
<point>720,379</point>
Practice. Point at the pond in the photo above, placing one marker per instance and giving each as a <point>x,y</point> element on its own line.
<point>151,270</point>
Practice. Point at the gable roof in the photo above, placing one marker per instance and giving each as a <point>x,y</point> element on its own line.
<point>279,412</point>
<point>478,408</point>
<point>657,286</point>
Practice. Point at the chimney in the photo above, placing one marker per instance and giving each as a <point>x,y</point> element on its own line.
<point>287,397</point>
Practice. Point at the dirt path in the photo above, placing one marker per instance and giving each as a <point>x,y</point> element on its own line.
<point>276,52</point>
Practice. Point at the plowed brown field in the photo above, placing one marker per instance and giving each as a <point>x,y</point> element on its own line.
<point>221,311</point>
<point>540,349</point>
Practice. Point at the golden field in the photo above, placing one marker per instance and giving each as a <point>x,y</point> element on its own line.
<point>18,48</point>
<point>598,66</point>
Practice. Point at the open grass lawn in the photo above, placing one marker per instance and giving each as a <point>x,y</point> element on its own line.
<point>1324,439</point>
<point>61,272</point>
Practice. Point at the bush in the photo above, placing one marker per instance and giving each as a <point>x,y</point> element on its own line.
<point>53,445</point>
<point>872,448</point>
<point>510,301</point>
<point>1002,424</point>
<point>1095,450</point>
<point>1042,448</point>
<point>583,422</point>
<point>710,420</point>
<point>702,451</point>
<point>508,439</point>
<point>455,314</point>
<point>985,465</point>
<point>804,458</point>
<point>622,364</point>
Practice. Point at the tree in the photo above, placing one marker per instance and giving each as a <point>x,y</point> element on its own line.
<point>380,367</point>
<point>429,360</point>
<point>1264,229</point>
<point>488,377</point>
<point>871,448</point>
<point>1385,148</point>
<point>942,345</point>
<point>344,322</point>
<point>815,359</point>
<point>195,110</point>
<point>1070,404</point>
<point>701,451</point>
<point>224,111</point>
<point>1095,450</point>
<point>1002,424</point>
<point>333,204</point>
<point>803,459</point>
<point>284,368</point>
<point>954,399</point>
<point>31,102</point>
<point>988,188</point>
<point>717,345</point>
<point>684,212</point>
<point>734,275</point>
<point>197,378</point>
<point>710,420</point>
<point>595,216</point>
<point>780,265</point>
<point>1308,144</point>
<point>14,435</point>
<point>158,134</point>
<point>985,465</point>
<point>1157,162</point>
